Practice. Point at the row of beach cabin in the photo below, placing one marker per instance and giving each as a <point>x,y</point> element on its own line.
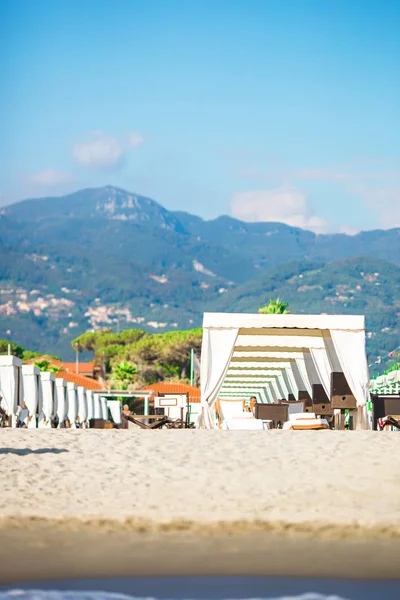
<point>50,401</point>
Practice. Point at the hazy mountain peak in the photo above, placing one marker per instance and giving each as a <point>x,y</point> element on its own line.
<point>108,202</point>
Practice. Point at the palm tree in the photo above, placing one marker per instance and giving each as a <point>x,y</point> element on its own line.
<point>45,365</point>
<point>275,307</point>
<point>125,373</point>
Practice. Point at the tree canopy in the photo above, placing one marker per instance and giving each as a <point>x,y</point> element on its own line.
<point>134,357</point>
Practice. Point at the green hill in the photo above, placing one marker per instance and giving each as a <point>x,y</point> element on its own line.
<point>109,258</point>
<point>351,286</point>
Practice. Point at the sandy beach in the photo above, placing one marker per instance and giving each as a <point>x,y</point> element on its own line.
<point>199,502</point>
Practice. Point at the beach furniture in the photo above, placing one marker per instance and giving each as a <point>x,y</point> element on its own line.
<point>344,403</point>
<point>32,392</point>
<point>305,421</point>
<point>389,423</point>
<point>172,406</point>
<point>277,414</point>
<point>227,408</point>
<point>243,423</point>
<point>305,397</point>
<point>232,409</point>
<point>158,422</point>
<point>341,394</point>
<point>384,406</point>
<point>321,404</point>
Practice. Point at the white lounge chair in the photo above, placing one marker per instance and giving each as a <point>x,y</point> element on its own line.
<point>306,421</point>
<point>240,423</point>
<point>234,417</point>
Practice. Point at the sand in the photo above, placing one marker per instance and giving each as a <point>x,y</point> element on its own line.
<point>199,502</point>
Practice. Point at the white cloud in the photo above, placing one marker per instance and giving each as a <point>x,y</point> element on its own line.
<point>136,139</point>
<point>50,177</point>
<point>100,151</point>
<point>377,184</point>
<point>284,205</point>
<point>376,181</point>
<point>384,201</point>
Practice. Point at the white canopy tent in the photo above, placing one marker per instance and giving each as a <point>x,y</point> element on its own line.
<point>307,348</point>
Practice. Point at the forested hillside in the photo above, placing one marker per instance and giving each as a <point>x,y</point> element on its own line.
<point>106,258</point>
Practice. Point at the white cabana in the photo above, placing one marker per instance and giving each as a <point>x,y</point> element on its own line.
<point>11,384</point>
<point>115,410</point>
<point>61,401</point>
<point>104,408</point>
<point>97,408</point>
<point>389,380</point>
<point>316,346</point>
<point>90,404</point>
<point>82,405</point>
<point>47,397</point>
<point>32,392</point>
<point>72,403</point>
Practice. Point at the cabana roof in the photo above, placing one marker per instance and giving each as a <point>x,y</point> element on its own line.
<point>255,321</point>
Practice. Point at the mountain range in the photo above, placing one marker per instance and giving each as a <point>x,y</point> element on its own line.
<point>110,258</point>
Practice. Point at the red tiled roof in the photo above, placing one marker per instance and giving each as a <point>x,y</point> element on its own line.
<point>82,367</point>
<point>87,382</point>
<point>165,387</point>
<point>69,367</point>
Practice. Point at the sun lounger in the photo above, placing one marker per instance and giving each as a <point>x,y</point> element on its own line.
<point>387,423</point>
<point>305,421</point>
<point>158,423</point>
<point>383,406</point>
<point>239,423</point>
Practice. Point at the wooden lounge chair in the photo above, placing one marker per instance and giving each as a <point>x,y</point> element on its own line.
<point>389,421</point>
<point>155,425</point>
<point>160,422</point>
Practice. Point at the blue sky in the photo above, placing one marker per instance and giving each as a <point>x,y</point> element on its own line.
<point>282,110</point>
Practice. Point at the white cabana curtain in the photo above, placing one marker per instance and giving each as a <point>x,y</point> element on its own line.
<point>272,392</point>
<point>300,383</point>
<point>350,349</point>
<point>286,374</point>
<point>90,404</point>
<point>323,367</point>
<point>216,353</point>
<point>282,384</point>
<point>301,366</point>
<point>268,394</point>
<point>115,410</point>
<point>292,379</point>
<point>61,404</point>
<point>277,391</point>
